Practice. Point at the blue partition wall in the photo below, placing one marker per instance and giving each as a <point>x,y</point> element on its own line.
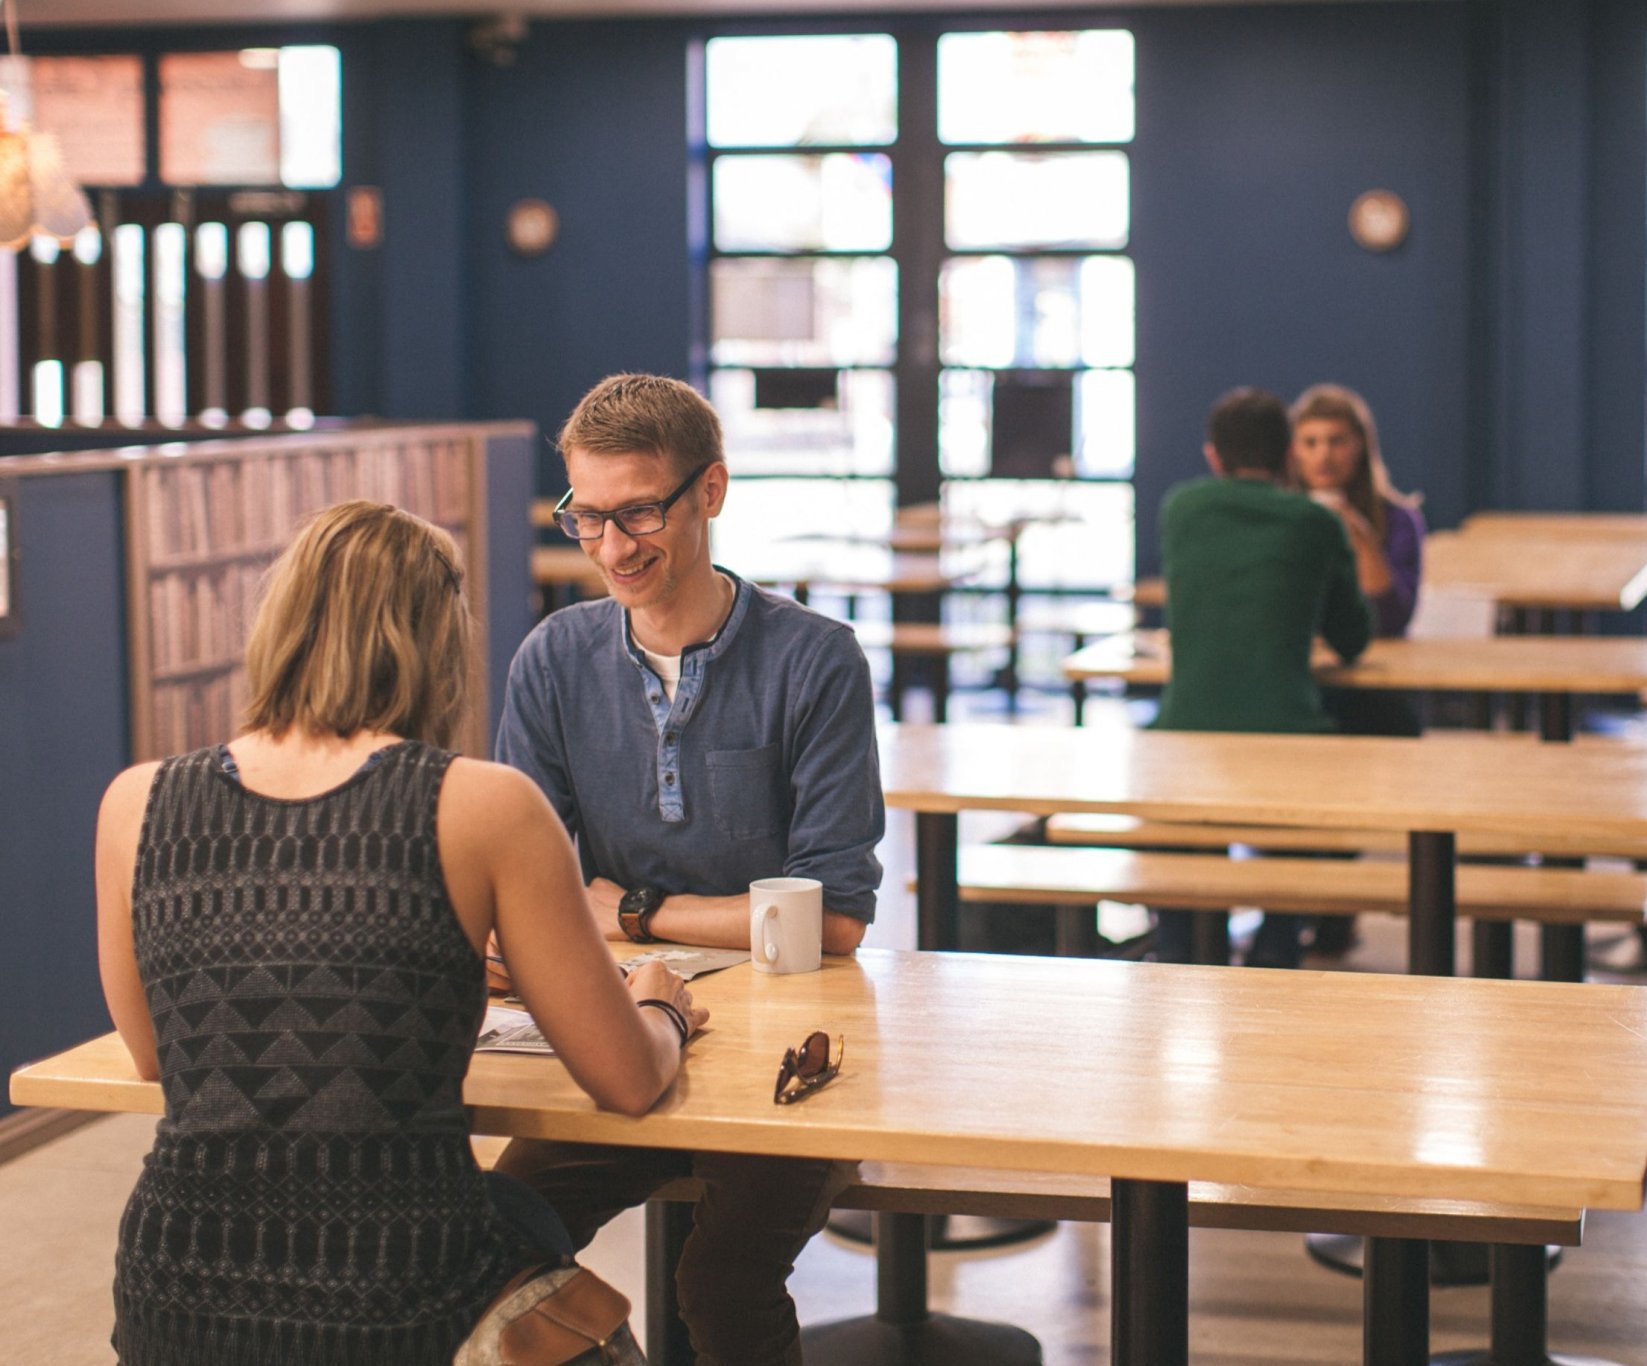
<point>63,735</point>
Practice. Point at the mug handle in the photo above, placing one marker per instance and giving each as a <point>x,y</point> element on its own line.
<point>766,949</point>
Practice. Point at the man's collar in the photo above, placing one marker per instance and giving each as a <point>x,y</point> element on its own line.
<point>742,595</point>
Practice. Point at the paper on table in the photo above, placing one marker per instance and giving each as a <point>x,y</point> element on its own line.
<point>507,1030</point>
<point>688,960</point>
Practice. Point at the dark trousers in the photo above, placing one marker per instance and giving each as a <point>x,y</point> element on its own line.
<point>756,1215</point>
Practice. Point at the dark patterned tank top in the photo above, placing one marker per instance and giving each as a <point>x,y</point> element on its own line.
<point>311,1196</point>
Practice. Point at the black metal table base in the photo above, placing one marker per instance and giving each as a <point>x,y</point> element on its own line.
<point>1451,1264</point>
<point>903,1331</point>
<point>947,1232</point>
<point>1520,1316</point>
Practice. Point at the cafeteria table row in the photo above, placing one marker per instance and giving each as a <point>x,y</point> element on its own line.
<point>1152,1075</point>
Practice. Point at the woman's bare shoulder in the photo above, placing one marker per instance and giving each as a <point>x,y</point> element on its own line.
<point>480,786</point>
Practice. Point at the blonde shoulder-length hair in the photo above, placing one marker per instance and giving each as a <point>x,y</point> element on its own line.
<point>363,625</point>
<point>1370,486</point>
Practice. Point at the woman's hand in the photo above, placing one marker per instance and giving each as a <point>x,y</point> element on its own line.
<point>656,981</point>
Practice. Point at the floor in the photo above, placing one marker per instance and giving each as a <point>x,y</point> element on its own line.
<point>1256,1299</point>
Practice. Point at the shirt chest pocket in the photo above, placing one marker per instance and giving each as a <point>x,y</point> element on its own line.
<point>749,791</point>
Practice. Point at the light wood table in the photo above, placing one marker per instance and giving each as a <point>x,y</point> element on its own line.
<point>1149,1074</point>
<point>1432,788</point>
<point>1542,525</point>
<point>1578,574</point>
<point>562,571</point>
<point>853,571</point>
<point>1552,667</point>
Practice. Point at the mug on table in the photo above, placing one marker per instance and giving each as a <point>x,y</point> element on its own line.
<point>786,924</point>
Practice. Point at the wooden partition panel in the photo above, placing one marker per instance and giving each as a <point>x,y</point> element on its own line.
<point>203,526</point>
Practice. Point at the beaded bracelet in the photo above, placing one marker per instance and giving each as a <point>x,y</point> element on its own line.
<point>673,1011</point>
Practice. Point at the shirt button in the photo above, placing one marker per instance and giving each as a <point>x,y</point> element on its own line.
<point>654,699</point>
<point>669,737</point>
<point>668,779</point>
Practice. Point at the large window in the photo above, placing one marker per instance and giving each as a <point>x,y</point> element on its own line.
<point>198,293</point>
<point>918,277</point>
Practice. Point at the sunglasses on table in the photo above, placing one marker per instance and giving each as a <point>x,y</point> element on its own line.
<point>807,1068</point>
<point>642,519</point>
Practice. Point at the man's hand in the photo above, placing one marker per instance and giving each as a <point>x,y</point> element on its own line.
<point>604,895</point>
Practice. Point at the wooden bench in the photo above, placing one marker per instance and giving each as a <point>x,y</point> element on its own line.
<point>1076,878</point>
<point>935,642</point>
<point>1131,832</point>
<point>904,1193</point>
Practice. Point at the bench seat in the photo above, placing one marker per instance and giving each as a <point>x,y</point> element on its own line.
<point>916,1188</point>
<point>1065,876</point>
<point>1130,832</point>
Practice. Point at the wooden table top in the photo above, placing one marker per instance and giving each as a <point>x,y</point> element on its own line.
<point>865,569</point>
<point>1490,664</point>
<point>1463,783</point>
<point>564,564</point>
<point>1537,525</point>
<point>1602,573</point>
<point>1134,1070</point>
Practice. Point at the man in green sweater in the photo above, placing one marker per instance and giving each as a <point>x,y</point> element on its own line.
<point>1254,571</point>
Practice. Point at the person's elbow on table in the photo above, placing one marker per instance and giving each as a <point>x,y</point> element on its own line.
<point>842,933</point>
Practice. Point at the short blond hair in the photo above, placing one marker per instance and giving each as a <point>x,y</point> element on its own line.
<point>649,414</point>
<point>363,625</point>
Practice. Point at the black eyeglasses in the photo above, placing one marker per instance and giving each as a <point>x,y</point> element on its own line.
<point>808,1067</point>
<point>643,519</point>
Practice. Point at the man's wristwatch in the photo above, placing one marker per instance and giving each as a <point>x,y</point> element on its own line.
<point>635,913</point>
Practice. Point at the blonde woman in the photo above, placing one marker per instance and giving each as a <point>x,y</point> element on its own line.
<point>291,931</point>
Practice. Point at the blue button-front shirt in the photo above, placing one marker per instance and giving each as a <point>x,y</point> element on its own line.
<point>763,766</point>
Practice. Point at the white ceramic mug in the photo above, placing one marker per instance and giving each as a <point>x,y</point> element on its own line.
<point>786,924</point>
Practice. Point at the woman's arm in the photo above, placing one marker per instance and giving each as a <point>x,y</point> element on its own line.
<point>119,825</point>
<point>509,863</point>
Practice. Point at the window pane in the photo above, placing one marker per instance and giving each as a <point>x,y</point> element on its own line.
<point>1043,87</point>
<point>219,119</point>
<point>1041,311</point>
<point>1036,199</point>
<point>1084,536</point>
<point>752,533</point>
<point>311,118</point>
<point>94,105</point>
<point>260,116</point>
<point>854,436</point>
<point>839,202</point>
<point>1093,436</point>
<point>782,92</point>
<point>828,311</point>
<point>1105,424</point>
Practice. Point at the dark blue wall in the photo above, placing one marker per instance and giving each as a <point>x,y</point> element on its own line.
<point>1501,347</point>
<point>63,735</point>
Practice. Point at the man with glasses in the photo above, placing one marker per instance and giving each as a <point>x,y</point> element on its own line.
<point>695,733</point>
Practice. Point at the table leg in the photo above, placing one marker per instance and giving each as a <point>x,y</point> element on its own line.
<point>1520,1315</point>
<point>1009,677</point>
<point>1493,949</point>
<point>937,880</point>
<point>1395,1316</point>
<point>668,1222</point>
<point>1149,1273</point>
<point>1432,910</point>
<point>903,1332</point>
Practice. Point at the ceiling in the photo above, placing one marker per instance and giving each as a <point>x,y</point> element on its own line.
<point>131,13</point>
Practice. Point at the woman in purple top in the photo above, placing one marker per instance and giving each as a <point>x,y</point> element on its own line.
<point>1335,459</point>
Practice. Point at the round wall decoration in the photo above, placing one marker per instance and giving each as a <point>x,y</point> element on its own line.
<point>1379,220</point>
<point>531,226</point>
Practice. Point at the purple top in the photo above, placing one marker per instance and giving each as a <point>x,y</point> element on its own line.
<point>1404,549</point>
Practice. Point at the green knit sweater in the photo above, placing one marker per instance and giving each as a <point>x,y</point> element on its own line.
<point>1254,573</point>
